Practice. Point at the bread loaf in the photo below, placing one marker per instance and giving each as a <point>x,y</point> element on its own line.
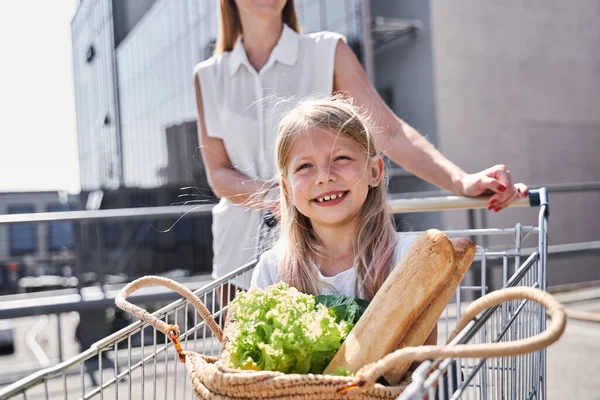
<point>464,250</point>
<point>417,279</point>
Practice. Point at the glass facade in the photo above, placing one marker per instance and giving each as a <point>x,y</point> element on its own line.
<point>60,234</point>
<point>95,96</point>
<point>341,16</point>
<point>23,237</point>
<point>155,63</point>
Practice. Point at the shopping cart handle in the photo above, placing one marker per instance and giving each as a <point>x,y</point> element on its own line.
<point>539,198</point>
<point>536,198</point>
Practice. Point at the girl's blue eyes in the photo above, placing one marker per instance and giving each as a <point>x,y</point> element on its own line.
<point>307,165</point>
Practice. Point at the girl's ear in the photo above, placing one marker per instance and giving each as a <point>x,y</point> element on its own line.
<point>376,171</point>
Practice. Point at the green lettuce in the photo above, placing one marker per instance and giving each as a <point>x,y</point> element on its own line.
<point>282,329</point>
<point>346,308</point>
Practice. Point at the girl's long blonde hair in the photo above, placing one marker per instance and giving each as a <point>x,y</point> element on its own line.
<point>376,239</point>
<point>230,26</point>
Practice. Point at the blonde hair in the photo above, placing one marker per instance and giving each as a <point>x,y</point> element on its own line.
<point>230,26</point>
<point>374,245</point>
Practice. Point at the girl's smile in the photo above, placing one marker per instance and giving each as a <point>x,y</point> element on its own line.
<point>331,198</point>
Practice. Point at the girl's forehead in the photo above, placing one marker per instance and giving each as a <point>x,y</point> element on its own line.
<point>322,139</point>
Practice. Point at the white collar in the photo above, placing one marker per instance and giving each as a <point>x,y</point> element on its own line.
<point>284,52</point>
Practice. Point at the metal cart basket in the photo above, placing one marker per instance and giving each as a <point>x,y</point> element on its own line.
<point>140,362</point>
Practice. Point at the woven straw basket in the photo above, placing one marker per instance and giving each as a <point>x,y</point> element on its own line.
<point>212,380</point>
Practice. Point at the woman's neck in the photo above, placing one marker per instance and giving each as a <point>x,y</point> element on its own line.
<point>260,39</point>
<point>339,247</point>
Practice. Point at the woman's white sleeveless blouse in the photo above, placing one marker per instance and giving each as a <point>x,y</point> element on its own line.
<point>243,108</point>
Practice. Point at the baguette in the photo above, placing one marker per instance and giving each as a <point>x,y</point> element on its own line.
<point>464,250</point>
<point>405,294</point>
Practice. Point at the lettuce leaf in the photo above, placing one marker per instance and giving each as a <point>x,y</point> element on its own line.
<point>346,308</point>
<point>282,329</point>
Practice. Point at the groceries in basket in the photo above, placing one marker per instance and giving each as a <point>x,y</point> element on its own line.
<point>282,329</point>
<point>302,341</point>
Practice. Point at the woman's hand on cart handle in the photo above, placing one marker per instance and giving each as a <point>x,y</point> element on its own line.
<point>497,181</point>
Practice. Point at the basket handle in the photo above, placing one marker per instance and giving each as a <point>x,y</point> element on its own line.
<point>172,331</point>
<point>367,375</point>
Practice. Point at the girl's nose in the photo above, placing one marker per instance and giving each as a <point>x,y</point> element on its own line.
<point>325,175</point>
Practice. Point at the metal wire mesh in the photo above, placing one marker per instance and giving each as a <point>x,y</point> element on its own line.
<point>139,362</point>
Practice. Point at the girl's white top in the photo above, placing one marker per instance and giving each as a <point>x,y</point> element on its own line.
<point>266,272</point>
<point>243,107</point>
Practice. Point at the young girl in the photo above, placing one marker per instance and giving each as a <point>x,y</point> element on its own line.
<point>337,235</point>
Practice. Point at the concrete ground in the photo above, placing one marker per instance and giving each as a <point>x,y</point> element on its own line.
<point>574,361</point>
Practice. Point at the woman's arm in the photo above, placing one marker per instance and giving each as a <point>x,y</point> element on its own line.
<point>406,147</point>
<point>223,178</point>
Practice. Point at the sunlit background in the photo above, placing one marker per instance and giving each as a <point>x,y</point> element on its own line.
<point>98,115</point>
<point>38,148</point>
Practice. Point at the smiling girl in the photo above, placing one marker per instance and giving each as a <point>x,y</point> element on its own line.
<point>337,234</point>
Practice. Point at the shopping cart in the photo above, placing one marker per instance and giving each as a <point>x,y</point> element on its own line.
<point>140,362</point>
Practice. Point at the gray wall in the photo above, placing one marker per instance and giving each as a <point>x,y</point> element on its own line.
<point>404,67</point>
<point>518,82</point>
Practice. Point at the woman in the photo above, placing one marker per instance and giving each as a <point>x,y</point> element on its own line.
<point>238,93</point>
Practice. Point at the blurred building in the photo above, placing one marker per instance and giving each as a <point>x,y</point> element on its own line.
<point>514,82</point>
<point>136,119</point>
<point>133,63</point>
<point>35,249</point>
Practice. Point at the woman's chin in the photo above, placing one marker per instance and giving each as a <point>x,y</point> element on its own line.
<point>272,7</point>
